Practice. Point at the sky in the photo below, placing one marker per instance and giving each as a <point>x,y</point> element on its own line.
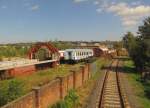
<point>43,20</point>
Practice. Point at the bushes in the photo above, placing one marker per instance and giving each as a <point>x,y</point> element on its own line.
<point>141,89</point>
<point>25,84</point>
<point>13,51</point>
<point>10,91</point>
<point>70,101</point>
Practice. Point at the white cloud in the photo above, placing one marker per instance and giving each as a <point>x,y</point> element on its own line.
<point>78,1</point>
<point>35,7</point>
<point>123,9</point>
<point>131,13</point>
<point>130,16</point>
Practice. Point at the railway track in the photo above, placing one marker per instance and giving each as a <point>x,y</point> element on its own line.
<point>111,96</point>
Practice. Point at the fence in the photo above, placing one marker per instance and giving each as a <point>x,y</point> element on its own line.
<point>42,97</point>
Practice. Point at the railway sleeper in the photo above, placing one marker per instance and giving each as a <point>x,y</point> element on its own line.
<point>112,102</point>
<point>111,106</point>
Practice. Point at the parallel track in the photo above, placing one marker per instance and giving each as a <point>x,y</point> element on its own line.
<point>111,96</point>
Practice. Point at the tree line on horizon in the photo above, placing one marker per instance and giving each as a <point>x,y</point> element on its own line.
<point>22,49</point>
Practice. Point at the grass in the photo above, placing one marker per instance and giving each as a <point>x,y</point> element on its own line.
<point>141,89</point>
<point>40,78</point>
<point>85,91</point>
<point>26,83</point>
<point>70,101</point>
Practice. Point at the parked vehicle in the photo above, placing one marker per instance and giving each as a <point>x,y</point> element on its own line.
<point>75,55</point>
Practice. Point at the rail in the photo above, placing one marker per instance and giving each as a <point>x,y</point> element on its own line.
<point>116,87</point>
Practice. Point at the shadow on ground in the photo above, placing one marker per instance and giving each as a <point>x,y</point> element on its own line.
<point>131,70</point>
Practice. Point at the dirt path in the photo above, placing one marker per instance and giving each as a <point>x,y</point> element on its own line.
<point>93,98</point>
<point>129,89</point>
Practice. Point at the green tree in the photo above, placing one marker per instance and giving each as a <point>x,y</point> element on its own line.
<point>42,54</point>
<point>139,46</point>
<point>128,39</point>
<point>118,46</point>
<point>133,45</point>
<point>144,35</point>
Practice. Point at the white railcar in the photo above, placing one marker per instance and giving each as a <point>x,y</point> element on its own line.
<point>77,54</point>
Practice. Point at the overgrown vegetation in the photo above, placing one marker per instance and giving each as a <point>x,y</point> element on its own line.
<point>62,45</point>
<point>21,50</point>
<point>9,92</point>
<point>83,92</point>
<point>87,88</point>
<point>37,79</point>
<point>139,46</point>
<point>70,101</point>
<point>118,46</point>
<point>13,88</point>
<point>9,51</point>
<point>100,63</point>
<point>141,89</point>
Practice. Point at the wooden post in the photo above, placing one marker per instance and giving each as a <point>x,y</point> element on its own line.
<point>37,96</point>
<point>83,73</point>
<point>74,78</point>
